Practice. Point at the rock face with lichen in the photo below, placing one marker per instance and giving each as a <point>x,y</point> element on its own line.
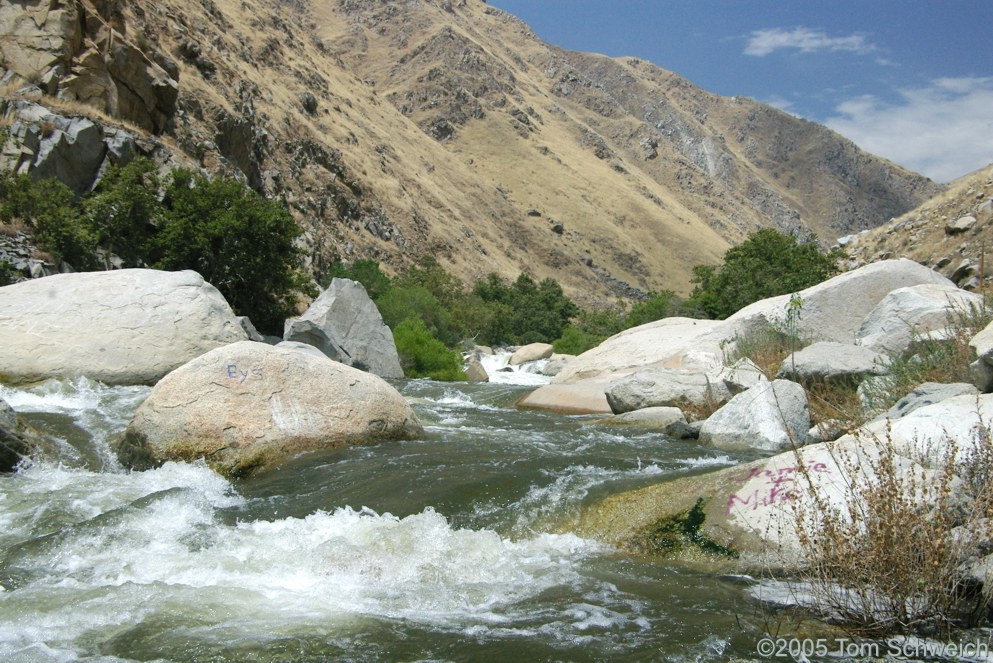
<point>247,407</point>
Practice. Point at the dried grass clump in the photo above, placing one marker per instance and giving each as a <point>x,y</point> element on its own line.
<point>894,556</point>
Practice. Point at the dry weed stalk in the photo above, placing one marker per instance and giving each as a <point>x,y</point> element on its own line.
<point>893,556</point>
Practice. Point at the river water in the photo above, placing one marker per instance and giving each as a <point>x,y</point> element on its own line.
<point>455,546</point>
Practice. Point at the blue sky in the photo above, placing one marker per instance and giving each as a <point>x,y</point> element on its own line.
<point>909,80</point>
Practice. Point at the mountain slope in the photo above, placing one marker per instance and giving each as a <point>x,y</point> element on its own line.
<point>396,129</point>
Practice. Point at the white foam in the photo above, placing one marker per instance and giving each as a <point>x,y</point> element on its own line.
<point>500,372</point>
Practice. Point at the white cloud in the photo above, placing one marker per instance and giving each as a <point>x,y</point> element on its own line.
<point>764,42</point>
<point>943,130</point>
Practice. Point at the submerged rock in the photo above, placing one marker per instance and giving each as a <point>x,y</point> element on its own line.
<point>248,406</point>
<point>130,326</point>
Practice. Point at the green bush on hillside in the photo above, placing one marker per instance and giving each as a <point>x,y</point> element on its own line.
<point>49,210</point>
<point>424,356</point>
<point>767,264</point>
<point>124,211</point>
<point>237,240</point>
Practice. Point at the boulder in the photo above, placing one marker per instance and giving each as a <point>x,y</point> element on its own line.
<point>960,225</point>
<point>248,406</point>
<point>650,418</point>
<point>474,370</point>
<point>831,311</point>
<point>832,362</point>
<point>12,448</point>
<point>531,352</point>
<point>665,387</point>
<point>928,394</point>
<point>345,324</point>
<point>130,326</point>
<point>555,364</point>
<point>772,416</point>
<point>834,310</point>
<point>982,368</point>
<point>751,510</point>
<point>579,398</point>
<point>906,312</point>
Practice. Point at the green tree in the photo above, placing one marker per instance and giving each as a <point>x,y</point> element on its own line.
<point>658,305</point>
<point>49,209</point>
<point>124,211</point>
<point>766,264</point>
<point>366,272</point>
<point>528,312</point>
<point>237,240</point>
<point>422,355</point>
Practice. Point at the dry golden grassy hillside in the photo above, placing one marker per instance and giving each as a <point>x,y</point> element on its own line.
<point>446,127</point>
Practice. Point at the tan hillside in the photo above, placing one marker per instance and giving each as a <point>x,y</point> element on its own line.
<point>952,233</point>
<point>446,127</point>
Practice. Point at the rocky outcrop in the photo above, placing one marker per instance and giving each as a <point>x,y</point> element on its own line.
<point>75,150</point>
<point>772,416</point>
<point>345,324</point>
<point>247,407</point>
<point>130,326</point>
<point>76,49</point>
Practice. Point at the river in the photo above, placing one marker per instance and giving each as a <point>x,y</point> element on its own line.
<point>455,546</point>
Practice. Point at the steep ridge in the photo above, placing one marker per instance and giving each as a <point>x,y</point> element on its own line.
<point>446,127</point>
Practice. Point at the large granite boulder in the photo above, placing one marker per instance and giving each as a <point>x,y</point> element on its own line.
<point>772,416</point>
<point>831,311</point>
<point>531,352</point>
<point>832,362</point>
<point>346,326</point>
<point>834,310</point>
<point>663,387</point>
<point>750,510</point>
<point>916,310</point>
<point>248,406</point>
<point>130,326</point>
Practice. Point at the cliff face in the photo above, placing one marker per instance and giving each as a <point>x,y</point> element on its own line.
<point>395,129</point>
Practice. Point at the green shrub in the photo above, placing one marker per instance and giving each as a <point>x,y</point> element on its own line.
<point>49,209</point>
<point>7,273</point>
<point>124,210</point>
<point>422,355</point>
<point>767,264</point>
<point>658,305</point>
<point>366,272</point>
<point>237,240</point>
<point>417,303</point>
<point>528,312</point>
